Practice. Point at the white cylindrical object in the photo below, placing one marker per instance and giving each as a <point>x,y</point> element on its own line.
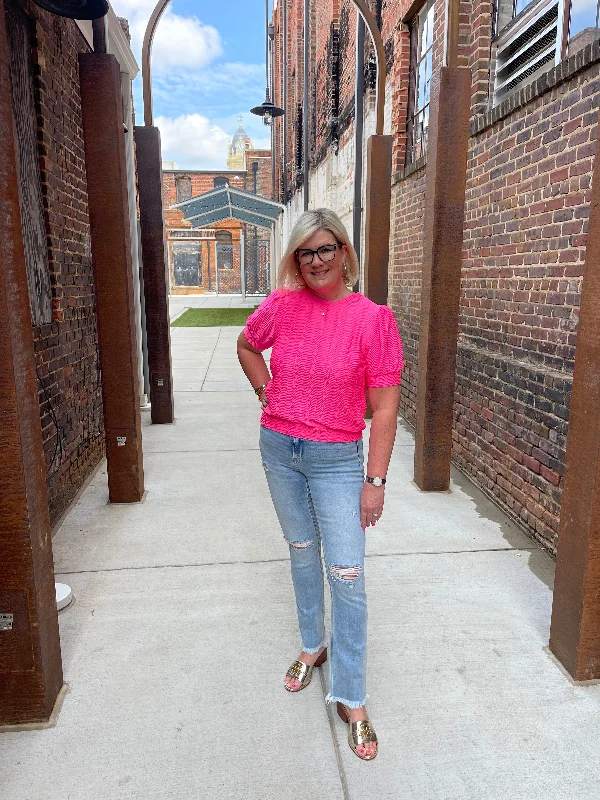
<point>64,595</point>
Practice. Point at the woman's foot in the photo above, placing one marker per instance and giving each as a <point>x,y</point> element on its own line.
<point>294,684</point>
<point>361,737</point>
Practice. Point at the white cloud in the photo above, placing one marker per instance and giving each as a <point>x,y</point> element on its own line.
<point>179,41</point>
<point>193,142</point>
<point>189,74</point>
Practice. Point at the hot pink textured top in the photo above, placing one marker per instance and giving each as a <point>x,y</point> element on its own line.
<point>324,355</point>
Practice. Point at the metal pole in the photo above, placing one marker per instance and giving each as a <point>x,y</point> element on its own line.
<point>305,158</point>
<point>284,95</point>
<point>267,47</point>
<point>243,264</point>
<point>99,37</point>
<point>272,90</point>
<point>359,105</point>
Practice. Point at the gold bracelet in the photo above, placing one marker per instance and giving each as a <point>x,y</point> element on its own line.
<point>258,391</point>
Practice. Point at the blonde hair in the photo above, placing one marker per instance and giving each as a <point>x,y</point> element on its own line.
<point>308,224</point>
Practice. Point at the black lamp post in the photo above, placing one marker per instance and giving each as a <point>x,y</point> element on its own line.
<point>267,110</point>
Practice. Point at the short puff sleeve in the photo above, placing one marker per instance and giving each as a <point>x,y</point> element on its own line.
<point>384,356</point>
<point>260,325</point>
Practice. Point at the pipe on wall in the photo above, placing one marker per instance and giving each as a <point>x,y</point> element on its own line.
<point>359,105</point>
<point>305,154</point>
<point>284,97</point>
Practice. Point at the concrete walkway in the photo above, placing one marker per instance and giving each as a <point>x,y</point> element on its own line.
<point>183,626</point>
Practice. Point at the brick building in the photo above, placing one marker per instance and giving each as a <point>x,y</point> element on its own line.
<point>210,260</point>
<point>71,343</point>
<point>60,272</point>
<point>535,80</point>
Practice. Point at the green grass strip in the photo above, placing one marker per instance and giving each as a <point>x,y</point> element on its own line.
<point>212,317</point>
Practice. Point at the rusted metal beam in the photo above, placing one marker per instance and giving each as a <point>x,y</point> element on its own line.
<point>442,248</point>
<point>575,628</point>
<point>377,218</point>
<point>30,660</point>
<point>104,141</point>
<point>156,285</point>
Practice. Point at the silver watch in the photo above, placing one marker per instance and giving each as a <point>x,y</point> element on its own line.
<point>375,481</point>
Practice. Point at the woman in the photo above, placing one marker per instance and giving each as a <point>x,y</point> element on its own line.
<point>328,345</point>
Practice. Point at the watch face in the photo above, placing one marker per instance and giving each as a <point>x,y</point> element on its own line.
<point>377,482</point>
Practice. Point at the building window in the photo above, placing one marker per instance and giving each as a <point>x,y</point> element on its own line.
<point>219,182</point>
<point>187,263</point>
<point>421,51</point>
<point>533,37</point>
<point>183,188</point>
<point>225,250</point>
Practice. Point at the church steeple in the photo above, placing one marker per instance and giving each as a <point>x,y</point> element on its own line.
<point>241,142</point>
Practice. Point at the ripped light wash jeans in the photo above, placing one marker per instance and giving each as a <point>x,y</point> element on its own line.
<point>316,487</point>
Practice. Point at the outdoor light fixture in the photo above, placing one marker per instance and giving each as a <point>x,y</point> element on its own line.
<point>75,9</point>
<point>268,110</point>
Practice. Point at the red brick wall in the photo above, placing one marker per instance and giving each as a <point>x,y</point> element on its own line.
<point>201,182</point>
<point>406,255</point>
<point>67,349</point>
<point>265,177</point>
<point>527,207</point>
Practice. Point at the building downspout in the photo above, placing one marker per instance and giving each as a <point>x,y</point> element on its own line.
<point>359,105</point>
<point>284,98</point>
<point>305,154</point>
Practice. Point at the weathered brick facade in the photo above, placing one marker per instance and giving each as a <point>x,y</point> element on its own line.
<point>201,181</point>
<point>527,204</point>
<point>66,349</point>
<point>264,174</point>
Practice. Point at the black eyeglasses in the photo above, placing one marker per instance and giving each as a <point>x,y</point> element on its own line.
<point>326,253</point>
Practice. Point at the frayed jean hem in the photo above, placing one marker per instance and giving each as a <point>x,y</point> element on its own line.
<point>348,703</point>
<point>312,650</point>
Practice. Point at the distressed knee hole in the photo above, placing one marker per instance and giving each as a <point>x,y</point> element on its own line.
<point>299,545</point>
<point>345,573</point>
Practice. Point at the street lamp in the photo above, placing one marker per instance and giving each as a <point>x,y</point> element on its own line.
<point>268,110</point>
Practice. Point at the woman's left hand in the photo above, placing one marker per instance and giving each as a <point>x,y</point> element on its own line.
<point>371,504</point>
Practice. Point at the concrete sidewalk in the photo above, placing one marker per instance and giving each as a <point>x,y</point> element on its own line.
<point>184,624</point>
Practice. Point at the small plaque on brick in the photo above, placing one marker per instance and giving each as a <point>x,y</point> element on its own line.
<point>6,622</point>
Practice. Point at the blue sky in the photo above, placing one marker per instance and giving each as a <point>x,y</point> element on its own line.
<point>208,68</point>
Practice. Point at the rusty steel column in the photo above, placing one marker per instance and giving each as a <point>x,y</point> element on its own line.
<point>377,218</point>
<point>104,140</point>
<point>442,249</point>
<point>30,661</point>
<point>156,284</point>
<point>575,628</point>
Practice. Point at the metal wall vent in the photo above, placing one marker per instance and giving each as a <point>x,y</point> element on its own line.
<point>527,47</point>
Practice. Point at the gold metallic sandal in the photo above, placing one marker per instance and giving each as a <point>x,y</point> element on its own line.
<point>300,671</point>
<point>359,733</point>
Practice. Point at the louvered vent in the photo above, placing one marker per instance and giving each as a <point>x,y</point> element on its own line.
<point>528,47</point>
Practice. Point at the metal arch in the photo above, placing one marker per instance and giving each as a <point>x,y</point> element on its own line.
<point>146,56</point>
<point>371,24</point>
<point>362,7</point>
